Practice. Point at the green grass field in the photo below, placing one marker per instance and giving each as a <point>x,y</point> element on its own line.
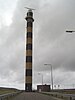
<point>69,92</point>
<point>7,90</point>
<point>66,91</point>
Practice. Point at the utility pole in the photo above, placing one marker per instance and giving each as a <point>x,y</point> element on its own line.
<point>51,74</point>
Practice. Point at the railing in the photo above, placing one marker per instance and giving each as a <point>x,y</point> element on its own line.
<point>61,95</point>
<point>8,95</point>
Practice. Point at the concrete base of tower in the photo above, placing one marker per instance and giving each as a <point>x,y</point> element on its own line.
<point>28,87</point>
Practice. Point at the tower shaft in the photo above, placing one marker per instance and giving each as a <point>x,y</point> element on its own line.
<point>29,36</point>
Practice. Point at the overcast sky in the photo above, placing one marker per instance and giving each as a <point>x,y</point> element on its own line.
<point>52,44</point>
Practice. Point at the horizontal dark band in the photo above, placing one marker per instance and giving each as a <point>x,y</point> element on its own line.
<point>28,58</point>
<point>28,86</point>
<point>28,72</point>
<point>28,46</point>
<point>29,24</point>
<point>29,34</point>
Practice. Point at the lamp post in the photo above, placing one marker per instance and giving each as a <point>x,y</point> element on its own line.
<point>51,74</point>
<point>70,31</point>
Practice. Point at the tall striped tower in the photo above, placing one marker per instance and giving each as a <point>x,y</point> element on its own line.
<point>29,36</point>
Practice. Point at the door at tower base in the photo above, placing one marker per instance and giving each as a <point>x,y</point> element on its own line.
<point>28,87</point>
<point>28,84</point>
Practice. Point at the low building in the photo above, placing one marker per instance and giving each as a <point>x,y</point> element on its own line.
<point>45,88</point>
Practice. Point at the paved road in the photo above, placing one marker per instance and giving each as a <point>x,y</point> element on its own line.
<point>33,96</point>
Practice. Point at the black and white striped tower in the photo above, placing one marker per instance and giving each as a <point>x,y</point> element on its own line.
<point>29,37</point>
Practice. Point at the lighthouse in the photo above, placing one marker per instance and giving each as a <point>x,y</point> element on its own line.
<point>29,47</point>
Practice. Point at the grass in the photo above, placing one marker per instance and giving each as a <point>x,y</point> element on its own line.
<point>66,91</point>
<point>5,91</point>
<point>69,92</point>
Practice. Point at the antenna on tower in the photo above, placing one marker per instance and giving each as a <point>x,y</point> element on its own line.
<point>29,8</point>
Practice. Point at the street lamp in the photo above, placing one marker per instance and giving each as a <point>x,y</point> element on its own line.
<point>51,74</point>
